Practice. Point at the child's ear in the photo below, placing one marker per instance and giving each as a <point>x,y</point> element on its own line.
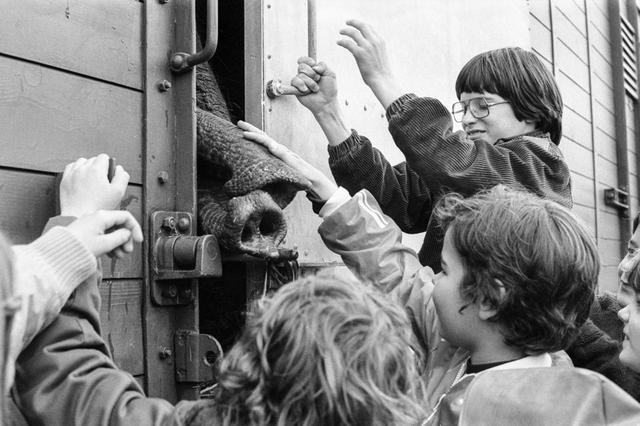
<point>486,311</point>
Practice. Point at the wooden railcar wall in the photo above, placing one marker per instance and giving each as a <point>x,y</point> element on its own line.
<point>572,37</point>
<point>71,77</point>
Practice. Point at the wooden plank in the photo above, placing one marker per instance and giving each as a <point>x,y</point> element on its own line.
<point>587,214</point>
<point>576,128</point>
<point>582,189</point>
<point>604,119</point>
<point>574,14</point>
<point>27,201</point>
<point>541,11</point>
<point>603,92</point>
<point>572,35</point>
<point>541,39</point>
<point>121,318</point>
<point>573,95</point>
<point>50,118</point>
<point>605,145</point>
<point>96,38</point>
<point>609,226</point>
<point>607,175</point>
<point>578,157</point>
<point>572,65</point>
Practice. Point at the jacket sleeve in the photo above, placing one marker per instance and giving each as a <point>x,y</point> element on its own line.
<point>45,273</point>
<point>356,164</point>
<point>66,376</point>
<point>446,161</point>
<point>370,244</point>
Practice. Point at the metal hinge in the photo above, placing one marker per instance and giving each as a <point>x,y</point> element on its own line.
<point>197,356</point>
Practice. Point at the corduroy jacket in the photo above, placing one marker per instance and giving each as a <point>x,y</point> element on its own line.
<point>439,160</point>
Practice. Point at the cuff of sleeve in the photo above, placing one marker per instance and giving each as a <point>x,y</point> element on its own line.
<point>398,105</point>
<point>68,258</point>
<point>338,198</point>
<point>344,148</point>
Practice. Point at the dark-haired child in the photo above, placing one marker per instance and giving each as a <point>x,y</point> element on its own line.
<point>518,277</point>
<point>511,114</point>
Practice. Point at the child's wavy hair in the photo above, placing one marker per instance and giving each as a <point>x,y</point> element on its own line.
<point>521,78</point>
<point>528,258</point>
<point>323,350</point>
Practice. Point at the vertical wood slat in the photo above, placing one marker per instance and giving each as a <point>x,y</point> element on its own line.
<point>169,27</point>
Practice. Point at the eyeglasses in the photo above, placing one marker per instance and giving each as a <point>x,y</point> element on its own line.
<point>479,108</point>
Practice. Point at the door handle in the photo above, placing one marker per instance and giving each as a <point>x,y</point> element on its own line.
<point>275,88</point>
<point>182,61</point>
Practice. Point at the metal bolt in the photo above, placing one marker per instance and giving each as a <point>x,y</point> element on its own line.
<point>169,223</point>
<point>171,292</point>
<point>165,353</point>
<point>184,224</point>
<point>164,85</point>
<point>163,177</point>
<point>185,292</point>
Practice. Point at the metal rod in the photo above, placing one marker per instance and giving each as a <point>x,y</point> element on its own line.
<point>275,88</point>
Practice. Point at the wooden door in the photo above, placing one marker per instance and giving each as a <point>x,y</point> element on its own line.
<point>79,78</point>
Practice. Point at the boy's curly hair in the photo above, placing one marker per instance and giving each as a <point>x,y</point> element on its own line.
<point>521,78</point>
<point>537,251</point>
<point>323,351</point>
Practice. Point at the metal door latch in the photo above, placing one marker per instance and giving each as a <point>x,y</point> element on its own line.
<point>617,198</point>
<point>197,356</point>
<point>178,256</point>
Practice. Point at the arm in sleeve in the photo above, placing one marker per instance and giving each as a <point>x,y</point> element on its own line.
<point>369,243</point>
<point>446,161</point>
<point>45,273</point>
<point>66,376</point>
<point>356,164</point>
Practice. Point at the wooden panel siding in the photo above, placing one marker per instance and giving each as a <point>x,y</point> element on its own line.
<point>606,145</point>
<point>578,157</point>
<point>582,190</point>
<point>576,128</point>
<point>573,95</point>
<point>540,10</point>
<point>572,65</point>
<point>27,201</point>
<point>541,39</point>
<point>49,118</point>
<point>587,214</point>
<point>97,38</point>
<point>566,30</point>
<point>121,317</point>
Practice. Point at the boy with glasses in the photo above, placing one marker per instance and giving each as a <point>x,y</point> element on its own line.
<point>511,114</point>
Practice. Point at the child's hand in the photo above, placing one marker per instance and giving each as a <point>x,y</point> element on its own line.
<point>318,83</point>
<point>320,185</point>
<point>85,187</point>
<point>370,53</point>
<point>91,230</point>
<point>368,49</point>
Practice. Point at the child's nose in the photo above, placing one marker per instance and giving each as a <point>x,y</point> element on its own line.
<point>468,117</point>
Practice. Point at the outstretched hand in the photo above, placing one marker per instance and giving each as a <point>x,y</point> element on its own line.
<point>370,53</point>
<point>320,185</point>
<point>85,188</point>
<point>107,232</point>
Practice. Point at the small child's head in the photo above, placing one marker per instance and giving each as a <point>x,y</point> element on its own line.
<point>629,298</point>
<point>518,77</point>
<point>323,350</point>
<point>523,264</point>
